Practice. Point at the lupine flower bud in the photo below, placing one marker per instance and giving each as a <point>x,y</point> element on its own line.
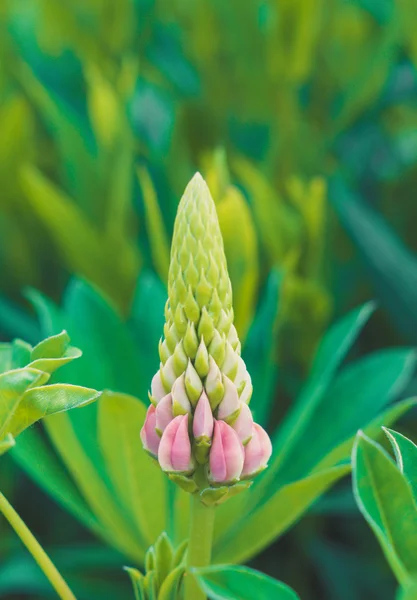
<point>174,453</point>
<point>199,425</point>
<point>227,455</point>
<point>148,434</point>
<point>257,452</point>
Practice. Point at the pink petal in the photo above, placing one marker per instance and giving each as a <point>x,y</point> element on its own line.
<point>203,418</point>
<point>257,451</point>
<point>244,423</point>
<point>230,403</point>
<point>150,439</point>
<point>164,414</point>
<point>226,455</point>
<point>165,447</point>
<point>181,448</point>
<point>218,469</point>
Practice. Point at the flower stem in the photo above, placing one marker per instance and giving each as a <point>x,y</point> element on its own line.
<point>36,550</point>
<point>199,545</point>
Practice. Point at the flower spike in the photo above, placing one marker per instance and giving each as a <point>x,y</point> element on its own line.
<point>199,425</point>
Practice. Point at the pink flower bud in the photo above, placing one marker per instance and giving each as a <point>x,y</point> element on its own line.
<point>174,453</point>
<point>230,405</point>
<point>226,454</point>
<point>150,439</point>
<point>244,423</point>
<point>164,414</point>
<point>257,452</point>
<point>157,389</point>
<point>203,418</point>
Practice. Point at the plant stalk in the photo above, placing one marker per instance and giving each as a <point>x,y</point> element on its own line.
<point>36,550</point>
<point>199,545</point>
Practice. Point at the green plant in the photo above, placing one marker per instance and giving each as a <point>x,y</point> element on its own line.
<point>25,399</point>
<point>103,466</point>
<point>385,492</point>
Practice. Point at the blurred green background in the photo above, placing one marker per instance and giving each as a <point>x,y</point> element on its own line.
<point>302,116</point>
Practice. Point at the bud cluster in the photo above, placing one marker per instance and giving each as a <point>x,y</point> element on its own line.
<point>199,425</point>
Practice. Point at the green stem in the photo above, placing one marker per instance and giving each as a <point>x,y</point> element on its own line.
<point>36,550</point>
<point>199,545</point>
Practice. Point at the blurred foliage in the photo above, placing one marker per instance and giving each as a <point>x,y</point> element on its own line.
<point>301,114</point>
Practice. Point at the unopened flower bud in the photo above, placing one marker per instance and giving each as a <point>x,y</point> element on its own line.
<point>164,414</point>
<point>257,452</point>
<point>200,426</point>
<point>148,435</point>
<point>226,455</point>
<point>174,453</point>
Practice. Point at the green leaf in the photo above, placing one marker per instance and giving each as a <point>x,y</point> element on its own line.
<point>110,358</point>
<point>352,401</point>
<point>163,557</point>
<point>158,238</point>
<point>137,480</point>
<point>332,349</point>
<point>343,451</point>
<point>170,589</point>
<point>146,321</point>
<point>53,352</point>
<point>224,582</point>
<point>12,386</point>
<point>40,402</point>
<point>41,464</point>
<point>136,578</point>
<point>50,365</point>
<point>99,497</point>
<point>52,347</point>
<point>254,531</point>
<point>406,455</point>
<point>7,443</point>
<point>5,357</point>
<point>408,593</point>
<point>385,499</point>
<point>21,355</point>
<point>391,265</point>
<point>111,264</point>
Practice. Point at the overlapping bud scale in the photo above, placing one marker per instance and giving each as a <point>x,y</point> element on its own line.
<point>199,425</point>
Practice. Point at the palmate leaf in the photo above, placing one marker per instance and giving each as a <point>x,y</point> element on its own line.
<point>24,399</point>
<point>224,582</point>
<point>386,501</point>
